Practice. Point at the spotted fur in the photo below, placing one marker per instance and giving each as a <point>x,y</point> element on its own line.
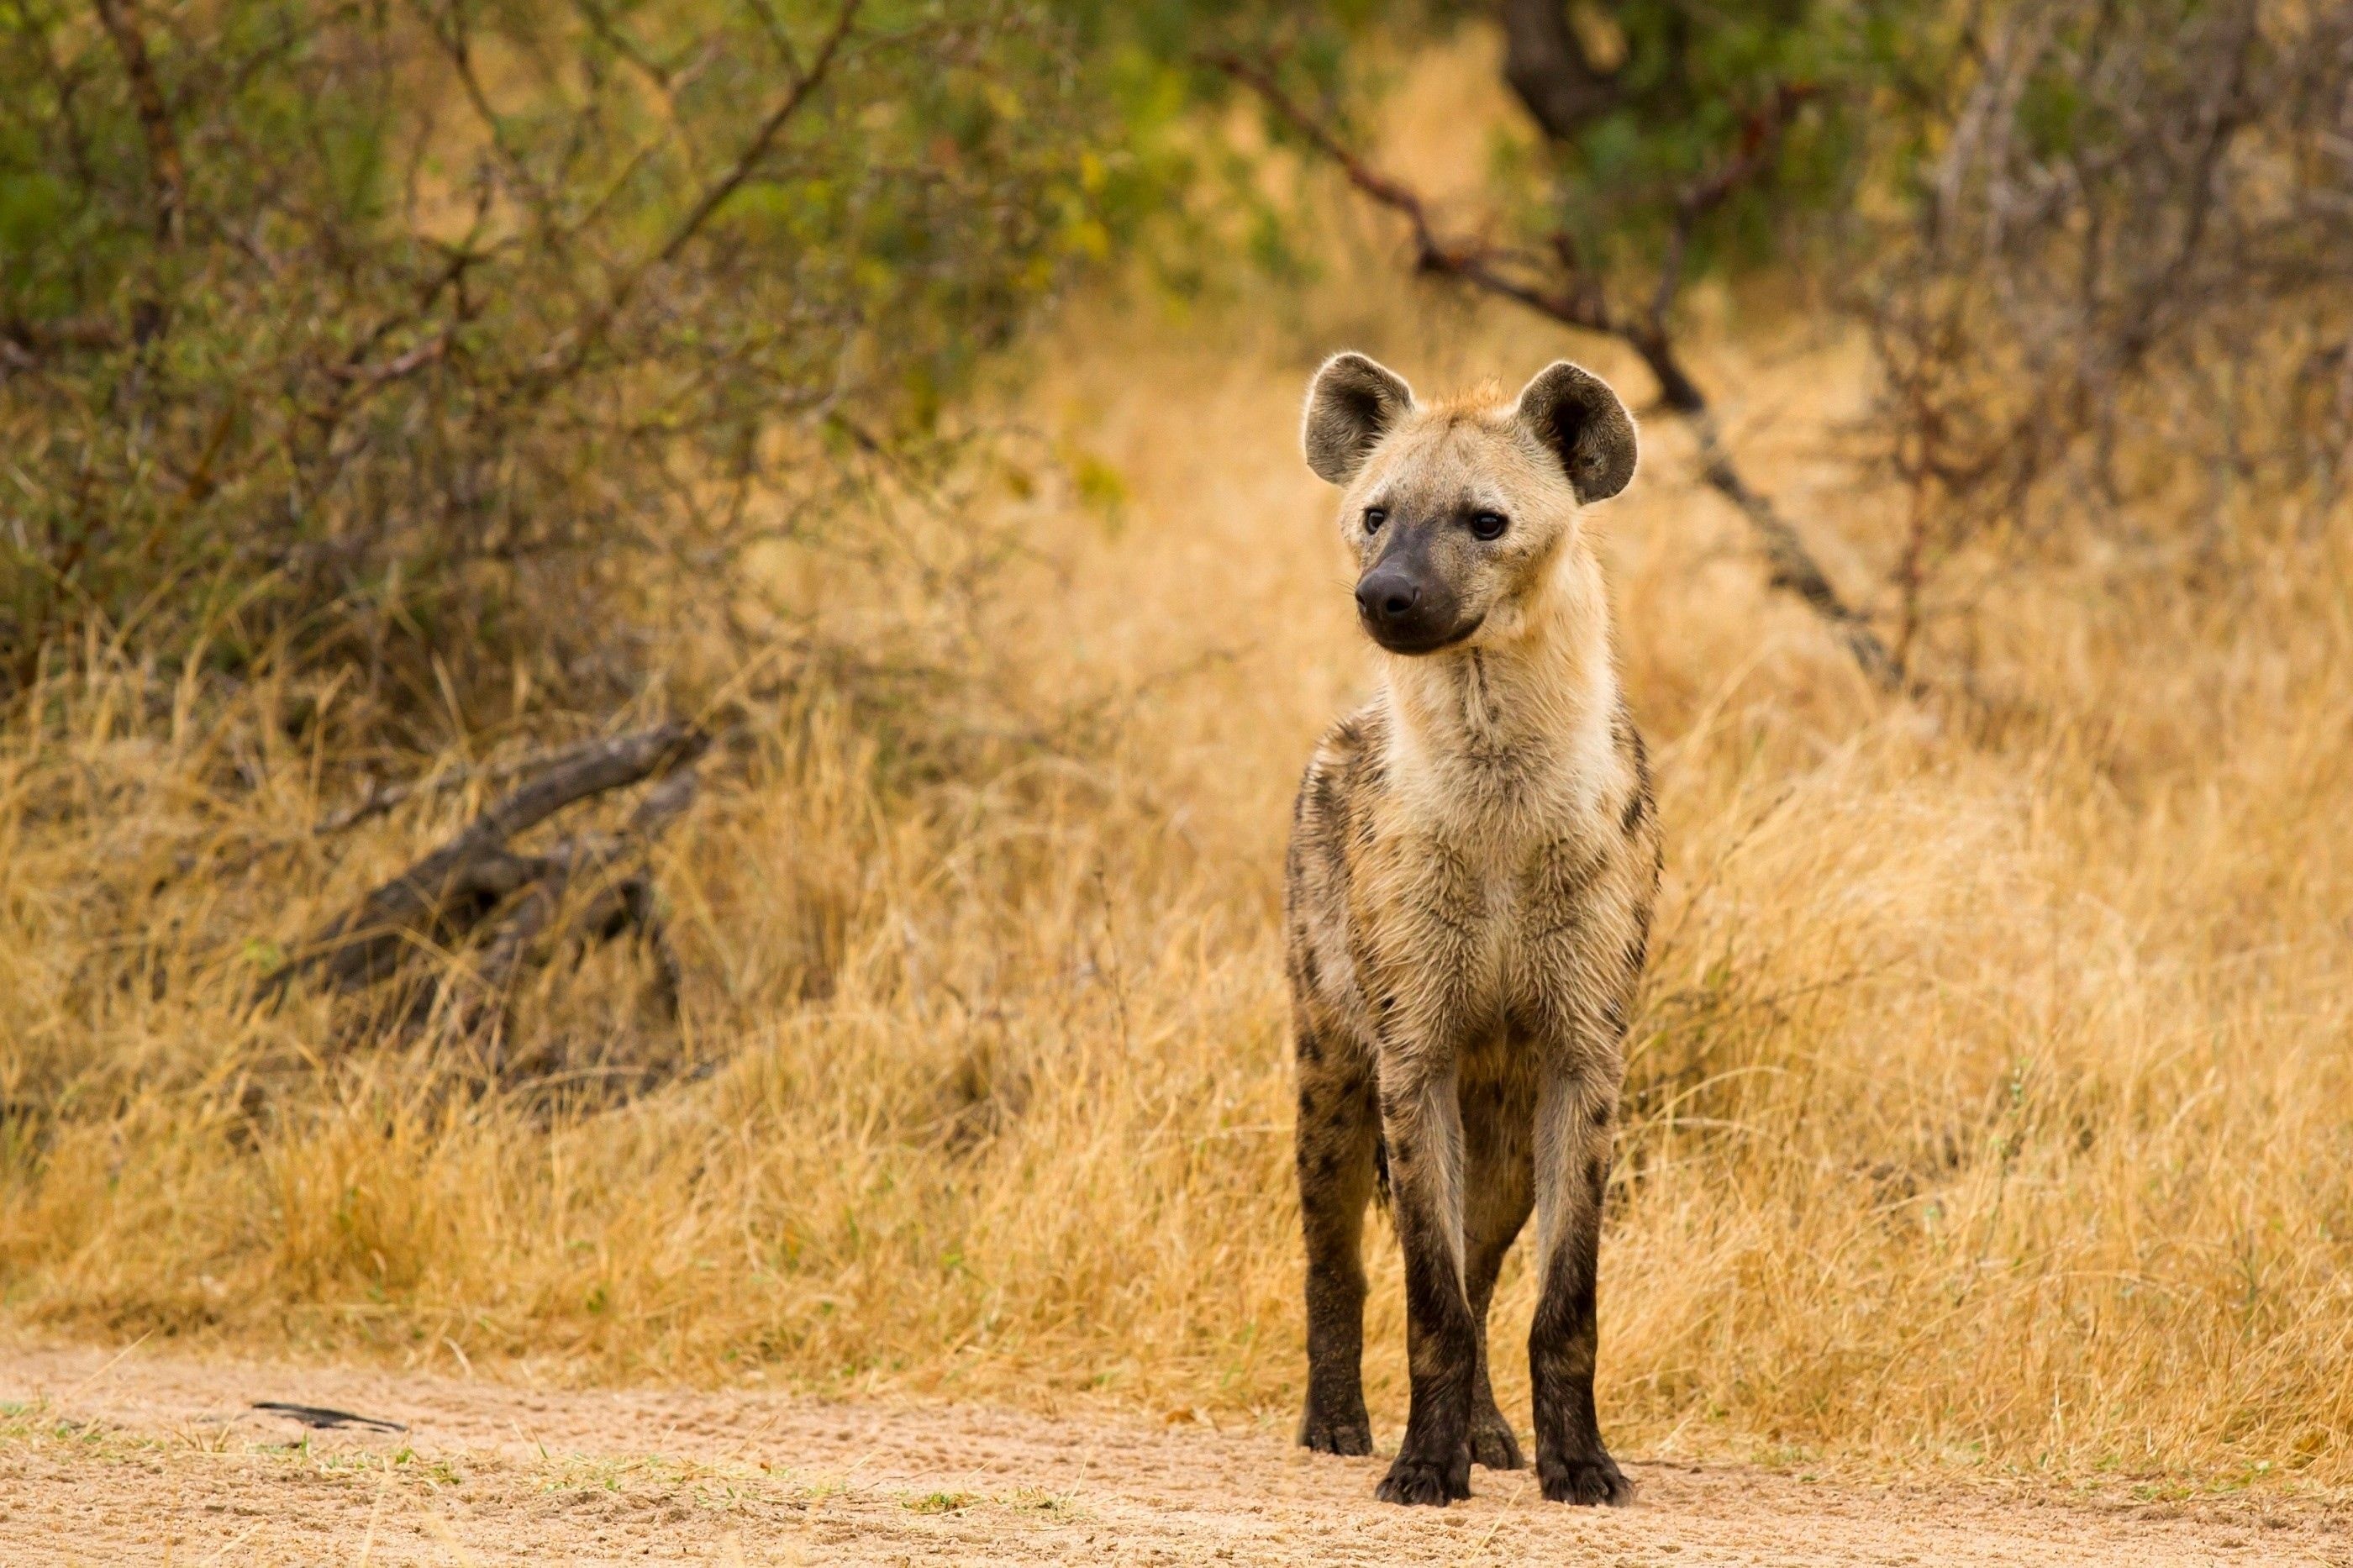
<point>1474,859</point>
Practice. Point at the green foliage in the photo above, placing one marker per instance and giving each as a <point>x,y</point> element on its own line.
<point>1695,95</point>
<point>1716,135</point>
<point>399,334</point>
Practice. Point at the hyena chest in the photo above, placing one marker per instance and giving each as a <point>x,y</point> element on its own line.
<point>1476,924</point>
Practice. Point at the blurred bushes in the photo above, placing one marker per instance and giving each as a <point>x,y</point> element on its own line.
<point>2115,316</point>
<point>2103,255</point>
<point>457,345</point>
<point>423,340</point>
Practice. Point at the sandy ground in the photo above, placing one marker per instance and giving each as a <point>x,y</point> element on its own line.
<point>142,1458</point>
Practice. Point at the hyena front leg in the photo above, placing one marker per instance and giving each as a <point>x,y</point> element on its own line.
<point>1574,1107</point>
<point>1495,1207</point>
<point>1338,1121</point>
<point>1421,1121</point>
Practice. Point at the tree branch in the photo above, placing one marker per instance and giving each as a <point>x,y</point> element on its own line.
<point>1761,144</point>
<point>164,171</point>
<point>757,148</point>
<point>1547,66</point>
<point>715,196</point>
<point>365,943</point>
<point>1574,298</point>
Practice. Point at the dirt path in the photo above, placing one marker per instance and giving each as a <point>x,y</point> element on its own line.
<point>147,1458</point>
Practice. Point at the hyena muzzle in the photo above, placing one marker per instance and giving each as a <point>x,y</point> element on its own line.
<point>1474,859</point>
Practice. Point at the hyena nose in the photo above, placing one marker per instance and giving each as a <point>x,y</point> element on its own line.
<point>1383,598</point>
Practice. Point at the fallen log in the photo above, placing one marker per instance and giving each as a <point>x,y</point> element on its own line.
<point>621,903</point>
<point>448,895</point>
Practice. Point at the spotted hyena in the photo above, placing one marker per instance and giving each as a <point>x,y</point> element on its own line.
<point>1473,859</point>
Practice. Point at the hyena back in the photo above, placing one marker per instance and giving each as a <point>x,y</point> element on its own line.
<point>1474,859</point>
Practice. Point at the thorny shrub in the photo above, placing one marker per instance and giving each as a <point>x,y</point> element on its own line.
<point>427,341</point>
<point>2120,303</point>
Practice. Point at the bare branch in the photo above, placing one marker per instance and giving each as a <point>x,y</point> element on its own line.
<point>364,944</point>
<point>765,137</point>
<point>1794,567</point>
<point>1547,66</point>
<point>381,798</point>
<point>165,172</point>
<point>396,367</point>
<point>1471,261</point>
<point>1761,144</point>
<point>556,365</point>
<point>86,334</point>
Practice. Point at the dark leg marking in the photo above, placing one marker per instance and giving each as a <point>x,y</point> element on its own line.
<point>1572,1465</point>
<point>1433,1463</point>
<point>1335,1136</point>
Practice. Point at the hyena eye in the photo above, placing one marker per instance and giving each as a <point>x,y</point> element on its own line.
<point>1374,516</point>
<point>1490,525</point>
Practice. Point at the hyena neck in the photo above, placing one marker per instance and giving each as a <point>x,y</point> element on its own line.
<point>1519,723</point>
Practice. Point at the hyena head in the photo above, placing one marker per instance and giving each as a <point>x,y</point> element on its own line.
<point>1459,511</point>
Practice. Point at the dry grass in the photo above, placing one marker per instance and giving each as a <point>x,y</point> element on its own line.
<point>1994,1104</point>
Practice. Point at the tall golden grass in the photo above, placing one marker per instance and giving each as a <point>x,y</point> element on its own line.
<point>1991,1102</point>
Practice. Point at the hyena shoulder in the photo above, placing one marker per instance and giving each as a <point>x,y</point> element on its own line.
<point>1332,822</point>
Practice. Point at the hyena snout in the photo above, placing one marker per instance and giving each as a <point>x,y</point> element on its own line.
<point>1407,608</point>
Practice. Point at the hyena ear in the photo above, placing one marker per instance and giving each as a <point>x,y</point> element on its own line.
<point>1351,404</point>
<point>1576,416</point>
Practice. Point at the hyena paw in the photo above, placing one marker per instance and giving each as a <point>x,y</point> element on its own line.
<point>1493,1445</point>
<point>1325,1431</point>
<point>1415,1479</point>
<point>1585,1481</point>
